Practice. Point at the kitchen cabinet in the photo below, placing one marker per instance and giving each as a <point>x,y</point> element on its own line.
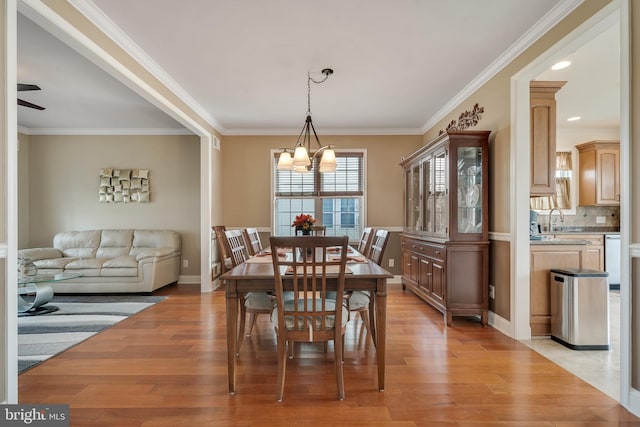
<point>445,247</point>
<point>595,248</point>
<point>599,173</point>
<point>543,258</point>
<point>543,136</point>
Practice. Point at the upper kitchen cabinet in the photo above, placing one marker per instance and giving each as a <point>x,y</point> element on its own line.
<point>599,173</point>
<point>543,136</point>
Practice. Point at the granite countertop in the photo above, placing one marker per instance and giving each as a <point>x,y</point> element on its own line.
<point>559,242</point>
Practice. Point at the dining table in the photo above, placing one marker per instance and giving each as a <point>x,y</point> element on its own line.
<point>256,274</point>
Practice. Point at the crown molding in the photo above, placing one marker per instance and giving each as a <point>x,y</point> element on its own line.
<point>355,132</point>
<point>115,33</point>
<point>553,17</point>
<point>103,131</point>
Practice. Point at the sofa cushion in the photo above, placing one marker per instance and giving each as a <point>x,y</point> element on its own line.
<point>80,244</point>
<point>53,262</point>
<point>146,239</point>
<point>91,263</point>
<point>125,261</point>
<point>114,243</point>
<point>39,253</point>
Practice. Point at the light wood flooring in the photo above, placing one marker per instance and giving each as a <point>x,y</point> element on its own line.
<point>167,366</point>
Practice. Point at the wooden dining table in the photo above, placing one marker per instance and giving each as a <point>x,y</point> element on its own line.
<point>257,275</point>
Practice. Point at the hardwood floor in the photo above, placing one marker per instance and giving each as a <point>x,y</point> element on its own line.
<point>167,366</point>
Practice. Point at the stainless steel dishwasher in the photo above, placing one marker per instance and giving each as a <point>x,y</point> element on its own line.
<point>612,259</point>
<point>580,308</point>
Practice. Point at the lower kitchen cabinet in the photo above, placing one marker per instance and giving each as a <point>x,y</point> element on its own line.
<point>451,277</point>
<point>545,257</point>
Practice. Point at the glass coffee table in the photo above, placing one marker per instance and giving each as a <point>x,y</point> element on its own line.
<point>36,291</point>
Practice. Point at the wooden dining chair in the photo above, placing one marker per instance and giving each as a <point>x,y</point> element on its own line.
<point>361,301</point>
<point>225,261</point>
<point>309,315</point>
<point>365,240</point>
<point>254,303</point>
<point>252,239</point>
<point>319,230</point>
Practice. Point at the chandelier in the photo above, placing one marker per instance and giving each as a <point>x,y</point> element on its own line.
<point>303,154</point>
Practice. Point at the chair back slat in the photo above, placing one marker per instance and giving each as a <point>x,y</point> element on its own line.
<point>252,240</point>
<point>378,245</point>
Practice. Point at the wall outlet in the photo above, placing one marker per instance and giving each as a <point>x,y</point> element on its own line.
<point>601,220</point>
<point>391,262</point>
<point>185,263</point>
<point>492,292</point>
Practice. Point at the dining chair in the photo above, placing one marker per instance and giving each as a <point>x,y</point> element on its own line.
<point>319,230</point>
<point>365,240</point>
<point>225,262</point>
<point>316,230</point>
<point>254,303</point>
<point>252,239</point>
<point>309,315</point>
<point>361,301</point>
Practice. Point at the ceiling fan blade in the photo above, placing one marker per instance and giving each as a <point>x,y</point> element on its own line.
<point>30,105</point>
<point>24,87</point>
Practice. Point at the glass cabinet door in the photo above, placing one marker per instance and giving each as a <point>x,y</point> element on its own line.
<point>428,199</point>
<point>440,202</point>
<point>469,177</point>
<point>412,194</point>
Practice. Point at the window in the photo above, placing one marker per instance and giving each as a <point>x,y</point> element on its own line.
<point>562,198</point>
<point>336,199</point>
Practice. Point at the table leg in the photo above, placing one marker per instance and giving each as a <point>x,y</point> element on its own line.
<point>232,333</point>
<point>381,320</point>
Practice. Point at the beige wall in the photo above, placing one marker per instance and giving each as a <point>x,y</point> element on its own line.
<point>495,97</point>
<point>247,176</point>
<point>62,174</point>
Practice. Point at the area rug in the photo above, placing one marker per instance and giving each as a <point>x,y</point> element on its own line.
<point>78,317</point>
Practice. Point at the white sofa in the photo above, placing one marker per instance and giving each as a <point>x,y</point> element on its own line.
<point>110,261</point>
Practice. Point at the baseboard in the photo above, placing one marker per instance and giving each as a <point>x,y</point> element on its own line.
<point>189,280</point>
<point>397,280</point>
<point>500,323</point>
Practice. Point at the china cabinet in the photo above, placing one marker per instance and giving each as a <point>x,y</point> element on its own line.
<point>444,245</point>
<point>543,136</point>
<point>599,173</point>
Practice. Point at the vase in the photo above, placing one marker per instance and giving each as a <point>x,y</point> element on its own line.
<point>303,231</point>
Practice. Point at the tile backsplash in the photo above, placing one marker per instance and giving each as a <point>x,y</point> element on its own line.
<point>586,217</point>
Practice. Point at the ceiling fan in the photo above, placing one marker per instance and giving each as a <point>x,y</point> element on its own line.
<point>25,87</point>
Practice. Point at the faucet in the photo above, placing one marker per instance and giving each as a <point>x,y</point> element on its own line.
<point>550,215</point>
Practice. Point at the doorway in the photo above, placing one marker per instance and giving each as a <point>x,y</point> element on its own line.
<point>599,24</point>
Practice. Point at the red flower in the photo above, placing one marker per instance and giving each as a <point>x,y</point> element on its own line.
<point>303,221</point>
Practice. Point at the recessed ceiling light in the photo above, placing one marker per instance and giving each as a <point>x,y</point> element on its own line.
<point>574,118</point>
<point>560,65</point>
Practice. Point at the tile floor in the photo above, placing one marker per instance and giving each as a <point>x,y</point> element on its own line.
<point>599,368</point>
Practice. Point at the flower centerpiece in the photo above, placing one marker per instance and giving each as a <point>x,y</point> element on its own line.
<point>304,222</point>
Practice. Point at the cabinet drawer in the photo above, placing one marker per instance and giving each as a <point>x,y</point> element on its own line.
<point>423,248</point>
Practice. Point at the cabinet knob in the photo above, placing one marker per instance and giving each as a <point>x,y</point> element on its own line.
<point>437,252</point>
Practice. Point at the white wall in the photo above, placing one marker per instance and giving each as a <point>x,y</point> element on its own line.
<point>63,187</point>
